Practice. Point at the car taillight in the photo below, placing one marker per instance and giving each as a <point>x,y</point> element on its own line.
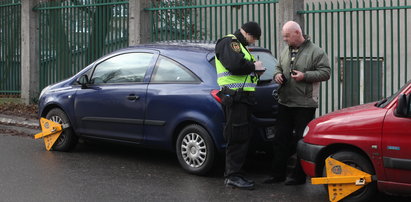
<point>214,94</point>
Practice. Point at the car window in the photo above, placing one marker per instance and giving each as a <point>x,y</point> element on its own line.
<point>384,102</point>
<point>409,104</point>
<point>168,71</point>
<point>125,68</point>
<point>269,62</point>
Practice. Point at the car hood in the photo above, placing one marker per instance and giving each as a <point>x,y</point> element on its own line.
<point>349,123</point>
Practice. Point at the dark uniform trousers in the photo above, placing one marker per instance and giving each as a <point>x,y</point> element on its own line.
<point>291,122</point>
<point>237,131</point>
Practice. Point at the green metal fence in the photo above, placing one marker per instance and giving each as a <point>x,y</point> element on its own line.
<point>211,19</point>
<point>367,45</point>
<point>75,33</point>
<point>10,47</point>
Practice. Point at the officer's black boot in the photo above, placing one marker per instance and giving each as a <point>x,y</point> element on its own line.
<point>238,182</point>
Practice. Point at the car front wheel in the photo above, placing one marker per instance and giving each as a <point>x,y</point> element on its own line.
<point>195,150</point>
<point>359,162</point>
<point>67,139</point>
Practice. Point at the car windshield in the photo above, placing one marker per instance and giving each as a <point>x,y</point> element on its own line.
<point>384,102</point>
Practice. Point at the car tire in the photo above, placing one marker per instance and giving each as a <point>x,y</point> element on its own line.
<point>358,161</point>
<point>68,139</point>
<point>195,150</point>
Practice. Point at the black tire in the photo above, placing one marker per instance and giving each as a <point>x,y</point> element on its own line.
<point>195,150</point>
<point>68,139</point>
<point>358,161</point>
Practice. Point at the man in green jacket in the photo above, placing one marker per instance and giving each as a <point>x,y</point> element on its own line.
<point>302,66</point>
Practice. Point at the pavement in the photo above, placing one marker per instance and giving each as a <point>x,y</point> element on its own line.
<point>19,124</point>
<point>10,119</point>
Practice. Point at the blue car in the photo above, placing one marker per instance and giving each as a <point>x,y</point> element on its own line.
<point>160,95</point>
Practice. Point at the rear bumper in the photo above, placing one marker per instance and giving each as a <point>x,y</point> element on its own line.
<point>308,154</point>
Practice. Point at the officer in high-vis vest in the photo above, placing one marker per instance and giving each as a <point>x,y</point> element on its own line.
<point>238,73</point>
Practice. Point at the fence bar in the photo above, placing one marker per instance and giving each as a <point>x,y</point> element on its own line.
<point>406,43</point>
<point>74,34</point>
<point>354,9</point>
<point>210,20</point>
<point>365,61</point>
<point>399,46</point>
<point>10,47</point>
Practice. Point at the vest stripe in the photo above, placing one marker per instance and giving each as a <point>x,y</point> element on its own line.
<point>239,85</point>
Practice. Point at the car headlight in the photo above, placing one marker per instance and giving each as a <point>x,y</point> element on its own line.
<point>306,131</point>
<point>43,91</point>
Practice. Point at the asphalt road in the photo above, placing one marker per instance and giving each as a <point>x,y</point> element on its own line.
<point>100,172</point>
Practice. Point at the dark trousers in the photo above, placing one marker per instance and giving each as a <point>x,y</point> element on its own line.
<point>237,133</point>
<point>291,122</point>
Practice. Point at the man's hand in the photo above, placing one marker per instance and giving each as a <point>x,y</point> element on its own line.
<point>279,78</point>
<point>298,76</point>
<point>259,69</point>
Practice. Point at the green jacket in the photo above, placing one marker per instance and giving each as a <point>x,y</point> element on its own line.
<point>314,63</point>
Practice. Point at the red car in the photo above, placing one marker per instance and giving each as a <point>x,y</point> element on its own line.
<point>373,137</point>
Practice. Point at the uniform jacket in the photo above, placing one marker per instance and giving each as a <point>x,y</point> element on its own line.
<point>232,60</point>
<point>314,63</point>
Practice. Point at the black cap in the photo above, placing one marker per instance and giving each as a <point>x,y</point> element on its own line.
<point>252,28</point>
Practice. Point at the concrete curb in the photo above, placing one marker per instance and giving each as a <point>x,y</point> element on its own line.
<point>15,120</point>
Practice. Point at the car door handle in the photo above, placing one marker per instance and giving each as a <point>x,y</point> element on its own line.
<point>133,97</point>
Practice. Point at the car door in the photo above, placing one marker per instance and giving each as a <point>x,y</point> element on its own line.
<point>174,92</point>
<point>113,104</point>
<point>396,146</point>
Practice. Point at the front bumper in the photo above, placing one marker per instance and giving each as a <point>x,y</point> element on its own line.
<point>308,154</point>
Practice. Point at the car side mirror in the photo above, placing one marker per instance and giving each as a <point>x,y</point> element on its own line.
<point>83,81</point>
<point>402,106</point>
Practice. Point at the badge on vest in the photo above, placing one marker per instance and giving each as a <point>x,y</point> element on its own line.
<point>236,46</point>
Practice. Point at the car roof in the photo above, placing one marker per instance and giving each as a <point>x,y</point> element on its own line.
<point>191,46</point>
<point>187,45</point>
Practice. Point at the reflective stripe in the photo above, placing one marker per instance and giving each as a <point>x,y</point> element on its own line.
<point>229,74</point>
<point>224,74</point>
<point>239,85</point>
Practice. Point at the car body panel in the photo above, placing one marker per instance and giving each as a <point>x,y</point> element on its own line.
<point>370,129</point>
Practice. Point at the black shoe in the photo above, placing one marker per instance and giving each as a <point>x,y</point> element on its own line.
<point>248,180</point>
<point>273,180</point>
<point>238,182</point>
<point>294,181</point>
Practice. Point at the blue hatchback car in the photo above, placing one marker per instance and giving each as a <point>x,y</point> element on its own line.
<point>159,95</point>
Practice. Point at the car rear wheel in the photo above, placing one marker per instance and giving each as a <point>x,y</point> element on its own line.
<point>67,139</point>
<point>195,150</point>
<point>359,162</point>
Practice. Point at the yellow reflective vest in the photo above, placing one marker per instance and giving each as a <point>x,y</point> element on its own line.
<point>234,82</point>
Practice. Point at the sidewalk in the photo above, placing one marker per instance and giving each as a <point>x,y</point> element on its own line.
<point>16,120</point>
<point>20,126</point>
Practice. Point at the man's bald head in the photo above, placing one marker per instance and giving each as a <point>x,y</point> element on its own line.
<point>292,34</point>
<point>292,27</point>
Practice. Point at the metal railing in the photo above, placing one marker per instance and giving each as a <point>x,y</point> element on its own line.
<point>367,43</point>
<point>210,20</point>
<point>10,47</point>
<point>75,33</point>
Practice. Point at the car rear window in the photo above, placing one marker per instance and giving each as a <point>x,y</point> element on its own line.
<point>269,62</point>
<point>169,71</point>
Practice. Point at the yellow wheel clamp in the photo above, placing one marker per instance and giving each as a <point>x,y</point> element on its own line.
<point>342,179</point>
<point>51,131</point>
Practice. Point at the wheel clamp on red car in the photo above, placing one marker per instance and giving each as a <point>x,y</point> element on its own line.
<point>51,131</point>
<point>342,179</point>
